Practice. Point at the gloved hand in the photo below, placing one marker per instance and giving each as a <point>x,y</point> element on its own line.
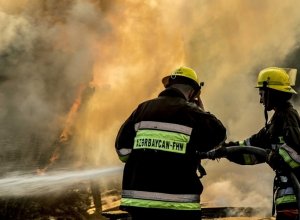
<point>197,100</point>
<point>232,157</point>
<point>275,160</point>
<point>217,153</point>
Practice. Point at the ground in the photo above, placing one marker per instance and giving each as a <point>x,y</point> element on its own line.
<point>78,203</point>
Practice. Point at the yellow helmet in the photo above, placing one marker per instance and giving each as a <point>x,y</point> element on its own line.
<point>275,78</point>
<point>186,73</point>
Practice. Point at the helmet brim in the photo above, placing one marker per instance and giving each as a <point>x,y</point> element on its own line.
<point>287,89</point>
<point>168,80</point>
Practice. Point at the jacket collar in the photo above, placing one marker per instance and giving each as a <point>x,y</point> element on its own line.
<point>172,92</point>
<point>283,106</point>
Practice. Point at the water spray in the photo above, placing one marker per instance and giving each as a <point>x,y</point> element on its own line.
<point>31,184</point>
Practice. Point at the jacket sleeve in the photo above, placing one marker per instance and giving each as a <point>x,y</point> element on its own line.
<point>213,134</point>
<point>291,134</point>
<point>125,138</point>
<point>290,149</point>
<point>288,144</point>
<point>256,140</point>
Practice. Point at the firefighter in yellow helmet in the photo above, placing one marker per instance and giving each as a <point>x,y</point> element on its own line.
<point>188,76</point>
<point>280,137</point>
<point>159,144</point>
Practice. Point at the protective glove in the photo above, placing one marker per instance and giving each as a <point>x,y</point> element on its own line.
<point>217,153</point>
<point>233,157</point>
<point>275,160</point>
<point>197,100</point>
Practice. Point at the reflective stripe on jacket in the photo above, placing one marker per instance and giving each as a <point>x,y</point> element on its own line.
<point>249,159</point>
<point>160,200</point>
<point>285,195</point>
<point>290,156</point>
<point>162,136</point>
<point>160,142</point>
<point>282,134</point>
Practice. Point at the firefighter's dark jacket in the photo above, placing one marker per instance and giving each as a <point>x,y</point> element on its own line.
<point>151,167</point>
<point>281,135</point>
<point>284,127</point>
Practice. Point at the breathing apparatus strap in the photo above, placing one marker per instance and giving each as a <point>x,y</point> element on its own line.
<point>266,101</point>
<point>266,117</point>
<point>274,191</point>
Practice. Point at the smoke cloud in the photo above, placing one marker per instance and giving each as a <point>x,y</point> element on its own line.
<point>119,51</point>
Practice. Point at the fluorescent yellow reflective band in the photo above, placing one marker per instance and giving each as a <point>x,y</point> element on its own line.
<point>124,158</point>
<point>288,159</point>
<point>248,158</point>
<point>286,199</point>
<point>281,140</point>
<point>124,154</point>
<point>136,194</point>
<point>160,204</point>
<point>161,140</point>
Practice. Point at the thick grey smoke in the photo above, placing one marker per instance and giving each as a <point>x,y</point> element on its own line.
<point>121,49</point>
<point>44,59</point>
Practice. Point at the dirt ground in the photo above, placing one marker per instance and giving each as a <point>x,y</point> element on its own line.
<point>78,203</point>
<point>246,218</point>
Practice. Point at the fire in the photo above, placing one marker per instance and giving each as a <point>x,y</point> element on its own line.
<point>83,92</point>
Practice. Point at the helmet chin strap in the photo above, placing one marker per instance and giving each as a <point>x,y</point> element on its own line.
<point>266,116</point>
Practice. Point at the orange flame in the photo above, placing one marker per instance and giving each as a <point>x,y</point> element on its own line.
<point>66,133</point>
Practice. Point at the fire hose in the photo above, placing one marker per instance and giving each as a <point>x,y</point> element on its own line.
<point>256,151</point>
